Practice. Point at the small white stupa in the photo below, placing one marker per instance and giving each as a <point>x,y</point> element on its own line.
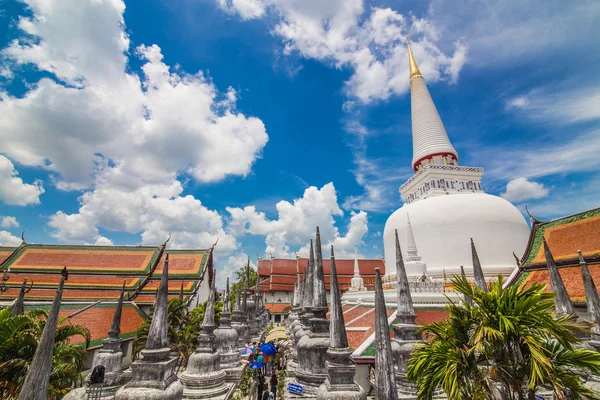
<point>357,284</point>
<point>447,205</point>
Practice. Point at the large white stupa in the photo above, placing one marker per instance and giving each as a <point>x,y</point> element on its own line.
<point>445,206</point>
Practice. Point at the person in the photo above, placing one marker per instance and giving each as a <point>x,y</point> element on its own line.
<point>274,385</point>
<point>251,358</point>
<point>261,360</point>
<point>266,396</point>
<point>253,391</point>
<point>261,386</point>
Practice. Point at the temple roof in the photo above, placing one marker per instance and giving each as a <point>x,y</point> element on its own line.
<point>98,272</point>
<point>564,236</point>
<point>279,274</point>
<point>277,308</point>
<point>98,319</point>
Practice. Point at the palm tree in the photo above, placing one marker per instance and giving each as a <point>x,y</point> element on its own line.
<point>508,344</point>
<point>19,337</point>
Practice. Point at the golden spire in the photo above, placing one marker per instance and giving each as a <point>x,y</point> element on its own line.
<point>414,69</point>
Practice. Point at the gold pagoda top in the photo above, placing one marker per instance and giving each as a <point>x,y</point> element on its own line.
<point>414,69</point>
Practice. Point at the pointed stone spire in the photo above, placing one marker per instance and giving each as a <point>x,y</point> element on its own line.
<point>467,299</point>
<point>339,384</point>
<point>19,307</point>
<point>158,332</point>
<point>429,135</point>
<point>309,281</point>
<point>562,301</point>
<point>385,379</point>
<point>35,386</point>
<point>181,292</point>
<point>115,328</point>
<point>209,312</point>
<point>337,330</point>
<point>153,376</point>
<point>244,301</point>
<point>413,254</point>
<point>477,270</point>
<point>312,346</point>
<point>203,377</point>
<point>406,312</point>
<point>320,295</point>
<point>591,294</point>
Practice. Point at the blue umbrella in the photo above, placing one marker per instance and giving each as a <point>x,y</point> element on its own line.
<point>268,349</point>
<point>257,365</point>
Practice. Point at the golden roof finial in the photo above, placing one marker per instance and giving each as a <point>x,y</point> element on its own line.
<point>414,69</point>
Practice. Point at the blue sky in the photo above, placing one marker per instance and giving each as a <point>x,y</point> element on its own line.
<point>255,120</point>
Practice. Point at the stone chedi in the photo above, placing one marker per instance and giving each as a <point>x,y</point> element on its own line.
<point>237,322</point>
<point>35,386</point>
<point>111,355</point>
<point>562,302</point>
<point>385,379</point>
<point>226,341</point>
<point>204,378</point>
<point>339,384</point>
<point>250,309</point>
<point>312,347</point>
<point>405,329</point>
<point>305,313</point>
<point>154,376</point>
<point>18,307</point>
<point>446,202</point>
<point>592,301</point>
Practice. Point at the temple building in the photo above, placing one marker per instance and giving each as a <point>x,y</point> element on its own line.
<point>277,277</point>
<point>96,278</point>
<point>565,237</point>
<point>447,205</point>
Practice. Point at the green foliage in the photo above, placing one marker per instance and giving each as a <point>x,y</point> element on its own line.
<point>19,338</point>
<point>281,384</point>
<point>183,328</point>
<point>509,341</point>
<point>238,287</point>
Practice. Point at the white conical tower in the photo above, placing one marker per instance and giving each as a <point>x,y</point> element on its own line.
<point>414,266</point>
<point>430,141</point>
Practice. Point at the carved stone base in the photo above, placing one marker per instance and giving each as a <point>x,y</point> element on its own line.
<point>152,379</point>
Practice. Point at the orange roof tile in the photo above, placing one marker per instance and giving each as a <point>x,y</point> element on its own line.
<point>277,307</point>
<point>571,277</point>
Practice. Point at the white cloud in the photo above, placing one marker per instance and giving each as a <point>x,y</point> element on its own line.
<point>228,269</point>
<point>520,189</point>
<point>7,239</point>
<point>8,222</point>
<point>370,42</point>
<point>103,241</point>
<point>297,221</point>
<point>154,210</point>
<point>124,139</point>
<point>12,188</point>
<point>579,153</point>
<point>152,128</point>
<point>563,106</point>
<point>506,31</point>
<point>247,9</point>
